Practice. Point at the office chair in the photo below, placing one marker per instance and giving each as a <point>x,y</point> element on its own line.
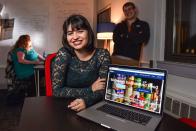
<point>121,60</point>
<point>9,71</point>
<point>188,121</point>
<point>48,63</point>
<point>17,88</point>
<point>10,75</point>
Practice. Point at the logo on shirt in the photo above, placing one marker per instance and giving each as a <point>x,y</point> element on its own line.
<point>138,26</point>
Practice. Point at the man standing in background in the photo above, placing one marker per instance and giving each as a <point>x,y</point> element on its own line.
<point>130,35</point>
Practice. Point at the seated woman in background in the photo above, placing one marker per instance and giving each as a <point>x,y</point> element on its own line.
<point>79,69</point>
<point>24,58</point>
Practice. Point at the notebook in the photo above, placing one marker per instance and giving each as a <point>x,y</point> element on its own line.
<point>133,99</point>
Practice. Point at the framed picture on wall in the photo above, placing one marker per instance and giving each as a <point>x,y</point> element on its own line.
<point>8,23</point>
<point>104,15</point>
<point>6,28</point>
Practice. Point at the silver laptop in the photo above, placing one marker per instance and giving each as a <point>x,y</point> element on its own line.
<point>133,99</point>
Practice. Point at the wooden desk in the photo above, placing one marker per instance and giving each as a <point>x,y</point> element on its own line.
<point>37,69</point>
<point>121,60</point>
<point>51,114</point>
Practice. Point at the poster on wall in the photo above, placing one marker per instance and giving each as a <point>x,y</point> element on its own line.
<point>6,28</point>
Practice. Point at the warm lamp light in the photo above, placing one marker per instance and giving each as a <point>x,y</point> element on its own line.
<point>104,36</point>
<point>105,32</point>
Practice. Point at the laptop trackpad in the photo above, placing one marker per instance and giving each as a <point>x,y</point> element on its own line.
<point>121,124</point>
<point>114,117</point>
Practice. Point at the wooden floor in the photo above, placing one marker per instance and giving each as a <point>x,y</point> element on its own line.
<point>9,113</point>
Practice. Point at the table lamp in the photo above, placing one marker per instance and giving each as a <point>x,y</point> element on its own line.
<point>105,32</point>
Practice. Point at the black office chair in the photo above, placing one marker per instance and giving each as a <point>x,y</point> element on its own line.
<point>17,88</point>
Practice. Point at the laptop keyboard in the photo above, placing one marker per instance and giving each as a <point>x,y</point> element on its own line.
<point>126,114</point>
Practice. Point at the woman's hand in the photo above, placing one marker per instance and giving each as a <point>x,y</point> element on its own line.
<point>99,84</point>
<point>41,57</point>
<point>36,62</point>
<point>77,105</point>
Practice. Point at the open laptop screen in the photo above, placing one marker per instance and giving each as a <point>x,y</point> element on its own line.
<point>136,87</point>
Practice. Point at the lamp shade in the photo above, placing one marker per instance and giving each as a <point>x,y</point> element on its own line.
<point>105,30</point>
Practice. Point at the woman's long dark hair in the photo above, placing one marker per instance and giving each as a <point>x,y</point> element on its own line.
<point>78,22</point>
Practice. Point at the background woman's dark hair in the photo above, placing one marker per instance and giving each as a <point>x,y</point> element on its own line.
<point>78,22</point>
<point>22,42</point>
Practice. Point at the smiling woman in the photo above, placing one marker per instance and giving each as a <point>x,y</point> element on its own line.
<point>79,69</point>
<point>77,38</point>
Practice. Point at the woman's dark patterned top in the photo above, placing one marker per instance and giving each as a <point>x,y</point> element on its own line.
<point>72,78</point>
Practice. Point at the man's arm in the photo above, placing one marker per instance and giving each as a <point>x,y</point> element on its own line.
<point>145,36</point>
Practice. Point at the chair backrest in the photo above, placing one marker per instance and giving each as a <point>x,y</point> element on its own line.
<point>13,83</point>
<point>9,70</point>
<point>10,74</point>
<point>48,63</point>
<point>188,121</point>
